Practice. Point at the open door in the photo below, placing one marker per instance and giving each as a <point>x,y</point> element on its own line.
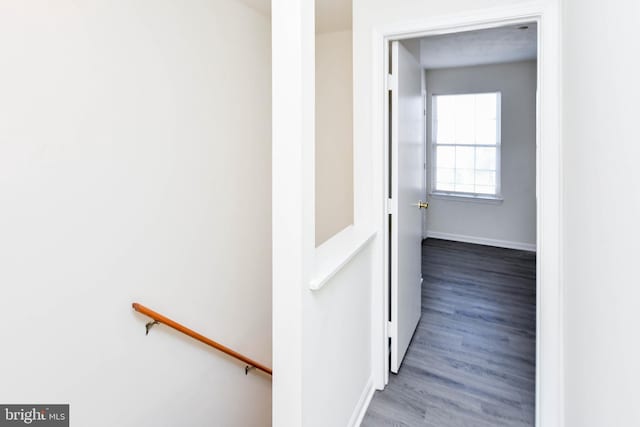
<point>407,190</point>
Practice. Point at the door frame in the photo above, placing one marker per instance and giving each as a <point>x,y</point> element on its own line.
<point>549,290</point>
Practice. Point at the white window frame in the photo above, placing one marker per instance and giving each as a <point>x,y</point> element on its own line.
<point>497,197</point>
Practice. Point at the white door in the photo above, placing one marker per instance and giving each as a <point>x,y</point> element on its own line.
<point>407,191</point>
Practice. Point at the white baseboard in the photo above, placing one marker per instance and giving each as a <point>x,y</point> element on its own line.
<point>482,241</point>
<point>363,404</point>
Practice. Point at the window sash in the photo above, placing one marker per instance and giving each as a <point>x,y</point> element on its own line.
<point>497,146</point>
<point>434,181</point>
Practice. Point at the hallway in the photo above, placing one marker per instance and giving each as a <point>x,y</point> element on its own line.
<point>472,358</point>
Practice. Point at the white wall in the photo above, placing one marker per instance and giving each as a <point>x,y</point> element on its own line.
<point>336,317</point>
<point>135,166</point>
<point>337,341</point>
<point>321,338</point>
<point>334,133</point>
<point>511,222</point>
<point>601,212</point>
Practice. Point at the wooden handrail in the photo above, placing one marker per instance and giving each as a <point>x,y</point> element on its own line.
<point>193,334</point>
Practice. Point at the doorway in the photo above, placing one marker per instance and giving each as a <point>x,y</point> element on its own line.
<point>544,188</point>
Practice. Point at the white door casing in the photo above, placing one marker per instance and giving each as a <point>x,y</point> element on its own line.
<point>407,178</point>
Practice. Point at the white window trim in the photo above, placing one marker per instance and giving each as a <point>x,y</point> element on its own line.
<point>476,197</point>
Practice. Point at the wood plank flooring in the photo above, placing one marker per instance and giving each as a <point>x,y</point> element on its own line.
<point>472,359</point>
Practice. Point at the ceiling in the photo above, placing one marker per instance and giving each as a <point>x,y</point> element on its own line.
<point>491,46</point>
<point>331,15</point>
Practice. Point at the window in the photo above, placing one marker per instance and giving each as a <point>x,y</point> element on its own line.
<point>465,142</point>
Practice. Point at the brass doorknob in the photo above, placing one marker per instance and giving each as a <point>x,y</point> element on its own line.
<point>423,205</point>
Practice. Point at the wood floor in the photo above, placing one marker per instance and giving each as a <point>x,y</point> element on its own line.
<point>472,359</point>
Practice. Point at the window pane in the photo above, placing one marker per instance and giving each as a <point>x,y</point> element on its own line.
<point>465,158</point>
<point>486,158</point>
<point>485,178</point>
<point>486,132</point>
<point>465,121</point>
<point>464,176</point>
<point>445,132</point>
<point>446,108</point>
<point>445,121</point>
<point>445,176</point>
<point>445,157</point>
<point>486,106</point>
<point>445,186</point>
<point>464,188</point>
<point>480,189</point>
